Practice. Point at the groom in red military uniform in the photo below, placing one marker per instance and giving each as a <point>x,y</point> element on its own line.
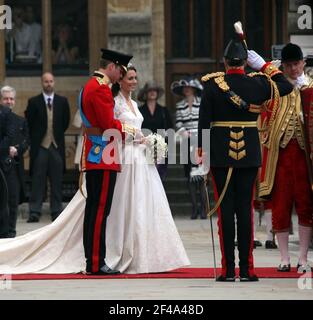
<point>96,106</point>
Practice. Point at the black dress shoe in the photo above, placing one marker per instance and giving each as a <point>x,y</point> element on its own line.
<point>194,215</point>
<point>284,268</point>
<point>248,278</point>
<point>230,277</point>
<point>33,218</point>
<point>257,243</point>
<point>105,271</point>
<point>11,235</point>
<point>203,215</point>
<point>225,279</point>
<point>269,244</point>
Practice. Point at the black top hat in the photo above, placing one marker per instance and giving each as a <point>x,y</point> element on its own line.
<point>291,52</point>
<point>116,57</point>
<point>236,50</point>
<point>150,85</point>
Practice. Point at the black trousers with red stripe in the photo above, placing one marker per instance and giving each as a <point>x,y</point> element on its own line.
<point>100,187</point>
<point>238,201</point>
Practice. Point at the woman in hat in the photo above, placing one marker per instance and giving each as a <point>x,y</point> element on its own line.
<point>187,116</point>
<point>156,117</point>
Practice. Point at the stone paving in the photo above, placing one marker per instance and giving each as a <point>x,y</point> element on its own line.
<point>197,240</point>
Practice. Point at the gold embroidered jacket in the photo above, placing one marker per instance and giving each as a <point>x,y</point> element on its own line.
<point>234,137</point>
<point>286,125</point>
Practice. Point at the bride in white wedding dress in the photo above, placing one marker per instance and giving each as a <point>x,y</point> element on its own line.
<point>141,234</point>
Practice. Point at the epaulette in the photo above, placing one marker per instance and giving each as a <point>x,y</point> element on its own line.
<point>255,74</point>
<point>209,76</point>
<point>101,80</point>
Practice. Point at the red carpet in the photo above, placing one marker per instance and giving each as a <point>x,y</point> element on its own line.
<point>183,273</point>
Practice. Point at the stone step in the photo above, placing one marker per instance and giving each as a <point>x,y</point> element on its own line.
<point>175,171</point>
<point>181,209</point>
<point>178,196</point>
<point>173,184</point>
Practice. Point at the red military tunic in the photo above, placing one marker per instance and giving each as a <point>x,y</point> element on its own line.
<point>98,107</point>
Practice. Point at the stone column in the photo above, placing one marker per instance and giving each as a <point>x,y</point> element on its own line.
<point>158,42</point>
<point>98,31</point>
<point>2,52</point>
<point>46,36</point>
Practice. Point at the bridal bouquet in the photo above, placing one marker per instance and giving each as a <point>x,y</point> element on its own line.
<point>156,148</point>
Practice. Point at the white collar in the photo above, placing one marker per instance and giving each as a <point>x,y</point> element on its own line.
<point>45,96</point>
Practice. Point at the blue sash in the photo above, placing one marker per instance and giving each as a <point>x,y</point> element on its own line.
<point>98,142</point>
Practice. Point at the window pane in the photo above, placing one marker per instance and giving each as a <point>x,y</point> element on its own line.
<point>279,21</point>
<point>69,36</point>
<point>180,28</point>
<point>202,28</point>
<point>255,25</point>
<point>24,41</point>
<point>232,14</point>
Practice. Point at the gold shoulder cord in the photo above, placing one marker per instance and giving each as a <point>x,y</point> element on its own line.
<point>209,76</point>
<point>274,98</point>
<point>222,84</point>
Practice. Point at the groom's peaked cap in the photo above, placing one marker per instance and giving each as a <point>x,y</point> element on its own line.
<point>116,57</point>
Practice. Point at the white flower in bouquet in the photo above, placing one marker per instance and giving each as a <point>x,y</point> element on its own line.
<point>156,148</point>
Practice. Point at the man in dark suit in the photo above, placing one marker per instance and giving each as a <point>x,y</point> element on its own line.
<point>48,116</point>
<point>13,163</point>
<point>227,108</point>
<point>5,137</point>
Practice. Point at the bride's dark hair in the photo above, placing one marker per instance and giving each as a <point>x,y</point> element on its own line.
<point>116,86</point>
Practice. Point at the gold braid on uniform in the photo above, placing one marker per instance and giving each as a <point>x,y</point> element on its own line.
<point>223,85</point>
<point>209,76</point>
<point>272,104</point>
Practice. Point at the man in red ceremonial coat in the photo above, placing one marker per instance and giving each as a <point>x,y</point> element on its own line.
<point>285,175</point>
<point>96,106</point>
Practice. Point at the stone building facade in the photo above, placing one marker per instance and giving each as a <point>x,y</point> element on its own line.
<point>168,38</point>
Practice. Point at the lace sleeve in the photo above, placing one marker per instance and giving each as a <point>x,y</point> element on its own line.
<point>118,108</point>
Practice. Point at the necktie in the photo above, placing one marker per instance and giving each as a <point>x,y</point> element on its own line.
<point>49,104</point>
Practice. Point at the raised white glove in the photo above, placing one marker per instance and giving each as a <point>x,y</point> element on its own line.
<point>255,61</point>
<point>300,81</point>
<point>276,63</point>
